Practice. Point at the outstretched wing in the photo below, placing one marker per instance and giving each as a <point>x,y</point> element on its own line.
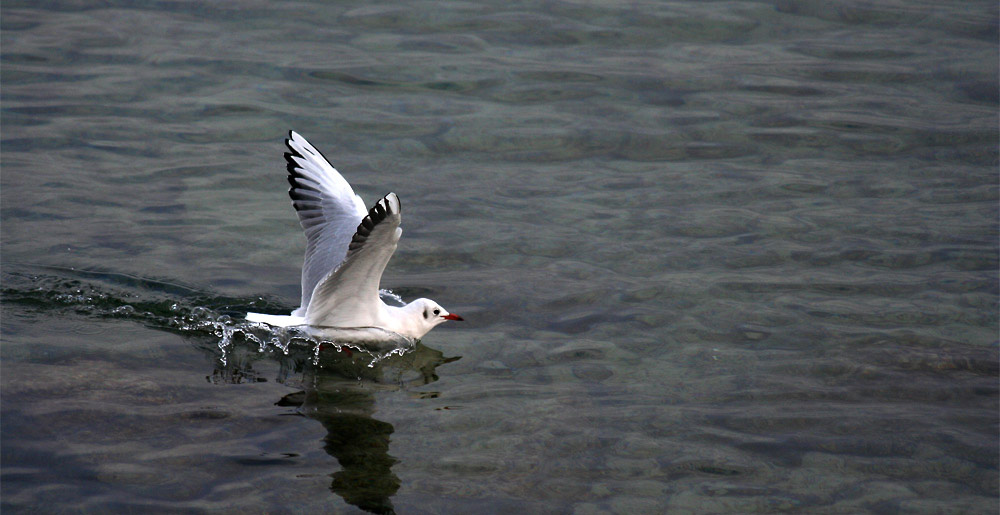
<point>328,210</point>
<point>348,296</point>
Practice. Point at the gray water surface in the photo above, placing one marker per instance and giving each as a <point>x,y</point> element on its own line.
<point>713,257</point>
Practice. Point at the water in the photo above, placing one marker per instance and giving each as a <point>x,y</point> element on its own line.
<point>712,256</point>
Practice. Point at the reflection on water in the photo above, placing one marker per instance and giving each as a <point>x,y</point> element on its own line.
<point>339,383</point>
<point>361,445</point>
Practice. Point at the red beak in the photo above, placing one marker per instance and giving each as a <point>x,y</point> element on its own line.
<point>452,316</point>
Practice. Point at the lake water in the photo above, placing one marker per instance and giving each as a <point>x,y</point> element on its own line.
<point>713,257</point>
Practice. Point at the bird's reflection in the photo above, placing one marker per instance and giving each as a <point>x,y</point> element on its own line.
<point>339,392</point>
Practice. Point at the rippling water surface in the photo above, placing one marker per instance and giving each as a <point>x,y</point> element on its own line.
<point>713,256</point>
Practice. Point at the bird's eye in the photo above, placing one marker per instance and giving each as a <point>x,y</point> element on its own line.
<point>437,311</point>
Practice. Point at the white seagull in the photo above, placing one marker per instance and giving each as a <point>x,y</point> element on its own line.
<point>347,249</point>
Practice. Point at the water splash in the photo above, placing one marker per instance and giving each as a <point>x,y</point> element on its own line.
<point>193,313</point>
<point>389,297</point>
<point>376,344</point>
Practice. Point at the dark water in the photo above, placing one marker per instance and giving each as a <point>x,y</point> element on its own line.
<point>713,256</point>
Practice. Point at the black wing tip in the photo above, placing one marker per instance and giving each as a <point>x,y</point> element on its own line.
<point>290,165</point>
<point>296,191</point>
<point>376,215</point>
<point>314,153</point>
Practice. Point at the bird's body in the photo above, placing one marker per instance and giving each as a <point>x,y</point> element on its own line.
<point>347,249</point>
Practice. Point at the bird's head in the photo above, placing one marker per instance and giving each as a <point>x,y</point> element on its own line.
<point>426,314</point>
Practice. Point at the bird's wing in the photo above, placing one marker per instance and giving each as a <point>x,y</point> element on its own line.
<point>348,296</point>
<point>328,210</point>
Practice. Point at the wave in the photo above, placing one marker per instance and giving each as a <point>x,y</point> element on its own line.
<point>189,311</point>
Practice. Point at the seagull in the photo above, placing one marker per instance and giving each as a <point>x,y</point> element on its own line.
<point>347,249</point>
